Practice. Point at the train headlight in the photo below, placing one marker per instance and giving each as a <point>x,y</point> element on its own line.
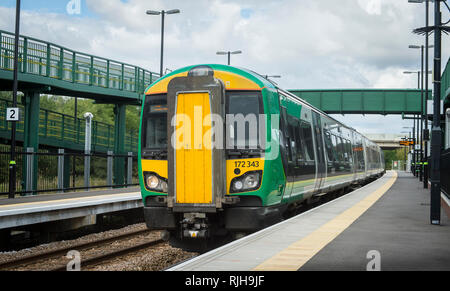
<point>155,183</point>
<point>152,182</point>
<point>238,185</point>
<point>251,181</point>
<point>247,182</point>
<point>164,186</point>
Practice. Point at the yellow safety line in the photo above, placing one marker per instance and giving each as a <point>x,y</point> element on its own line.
<point>297,254</point>
<point>64,200</point>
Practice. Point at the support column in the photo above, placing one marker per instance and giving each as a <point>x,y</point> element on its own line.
<point>119,144</point>
<point>31,134</point>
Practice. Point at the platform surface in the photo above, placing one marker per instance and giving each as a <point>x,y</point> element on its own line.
<point>389,216</point>
<point>45,208</point>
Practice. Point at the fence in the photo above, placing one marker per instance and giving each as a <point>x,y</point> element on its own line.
<point>64,171</point>
<point>37,57</point>
<point>57,127</point>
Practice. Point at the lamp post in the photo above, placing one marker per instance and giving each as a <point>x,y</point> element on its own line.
<point>12,161</point>
<point>162,13</point>
<point>435,208</point>
<point>229,53</point>
<point>425,180</point>
<point>421,47</point>
<point>436,134</point>
<point>414,122</point>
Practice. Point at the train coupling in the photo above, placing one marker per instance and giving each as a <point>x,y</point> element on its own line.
<point>195,225</point>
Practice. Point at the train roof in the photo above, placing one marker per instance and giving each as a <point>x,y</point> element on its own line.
<point>253,76</point>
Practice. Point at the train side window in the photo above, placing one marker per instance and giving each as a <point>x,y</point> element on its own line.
<point>306,136</point>
<point>337,154</point>
<point>291,139</point>
<point>329,146</point>
<point>298,142</point>
<point>348,150</point>
<point>341,149</point>
<point>295,145</point>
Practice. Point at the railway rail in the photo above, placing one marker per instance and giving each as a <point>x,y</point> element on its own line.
<point>36,258</point>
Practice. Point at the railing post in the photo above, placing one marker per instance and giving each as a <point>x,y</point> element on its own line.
<point>123,75</point>
<point>6,60</point>
<point>29,164</point>
<point>78,130</point>
<point>91,72</point>
<point>25,55</point>
<point>109,169</point>
<point>136,79</point>
<point>45,122</point>
<point>107,73</point>
<point>47,70</point>
<point>143,81</point>
<point>61,169</point>
<point>73,67</point>
<point>61,63</point>
<point>130,168</point>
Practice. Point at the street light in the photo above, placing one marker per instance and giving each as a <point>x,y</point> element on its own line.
<point>425,180</point>
<point>421,47</point>
<point>418,76</point>
<point>419,1</point>
<point>162,12</point>
<point>12,161</point>
<point>271,76</point>
<point>229,53</point>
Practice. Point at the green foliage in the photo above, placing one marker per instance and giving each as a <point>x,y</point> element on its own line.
<point>394,155</point>
<point>102,112</point>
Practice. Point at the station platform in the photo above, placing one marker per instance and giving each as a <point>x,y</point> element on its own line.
<point>384,225</point>
<point>46,208</point>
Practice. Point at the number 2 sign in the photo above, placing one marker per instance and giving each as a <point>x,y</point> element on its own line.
<point>12,114</point>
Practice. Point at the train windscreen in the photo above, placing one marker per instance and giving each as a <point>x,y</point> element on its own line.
<point>243,111</point>
<point>154,123</point>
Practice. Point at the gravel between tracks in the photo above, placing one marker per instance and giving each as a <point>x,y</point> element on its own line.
<point>153,258</point>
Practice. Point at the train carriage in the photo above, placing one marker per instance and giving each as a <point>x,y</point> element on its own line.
<point>224,151</point>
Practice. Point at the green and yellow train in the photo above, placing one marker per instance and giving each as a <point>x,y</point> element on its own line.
<point>224,151</point>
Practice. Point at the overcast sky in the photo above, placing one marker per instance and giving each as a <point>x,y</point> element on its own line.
<point>312,44</point>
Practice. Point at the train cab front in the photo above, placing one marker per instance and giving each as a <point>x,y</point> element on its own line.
<point>196,159</point>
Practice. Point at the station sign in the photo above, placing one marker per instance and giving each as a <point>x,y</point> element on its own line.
<point>12,114</point>
<point>406,142</point>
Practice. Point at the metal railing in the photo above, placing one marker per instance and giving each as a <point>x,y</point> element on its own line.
<point>40,58</point>
<point>57,173</point>
<point>59,127</point>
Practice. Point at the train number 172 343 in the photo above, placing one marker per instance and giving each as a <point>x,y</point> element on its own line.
<point>246,164</point>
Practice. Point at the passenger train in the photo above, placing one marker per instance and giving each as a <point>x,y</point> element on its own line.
<point>225,151</point>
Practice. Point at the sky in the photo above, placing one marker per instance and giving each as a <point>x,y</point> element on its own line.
<point>321,44</point>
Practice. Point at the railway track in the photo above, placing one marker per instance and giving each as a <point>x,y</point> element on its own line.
<point>36,258</point>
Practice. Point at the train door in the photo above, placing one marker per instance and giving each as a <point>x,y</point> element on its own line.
<point>321,170</point>
<point>286,153</point>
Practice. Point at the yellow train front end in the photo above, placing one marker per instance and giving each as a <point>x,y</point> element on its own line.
<point>187,176</point>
